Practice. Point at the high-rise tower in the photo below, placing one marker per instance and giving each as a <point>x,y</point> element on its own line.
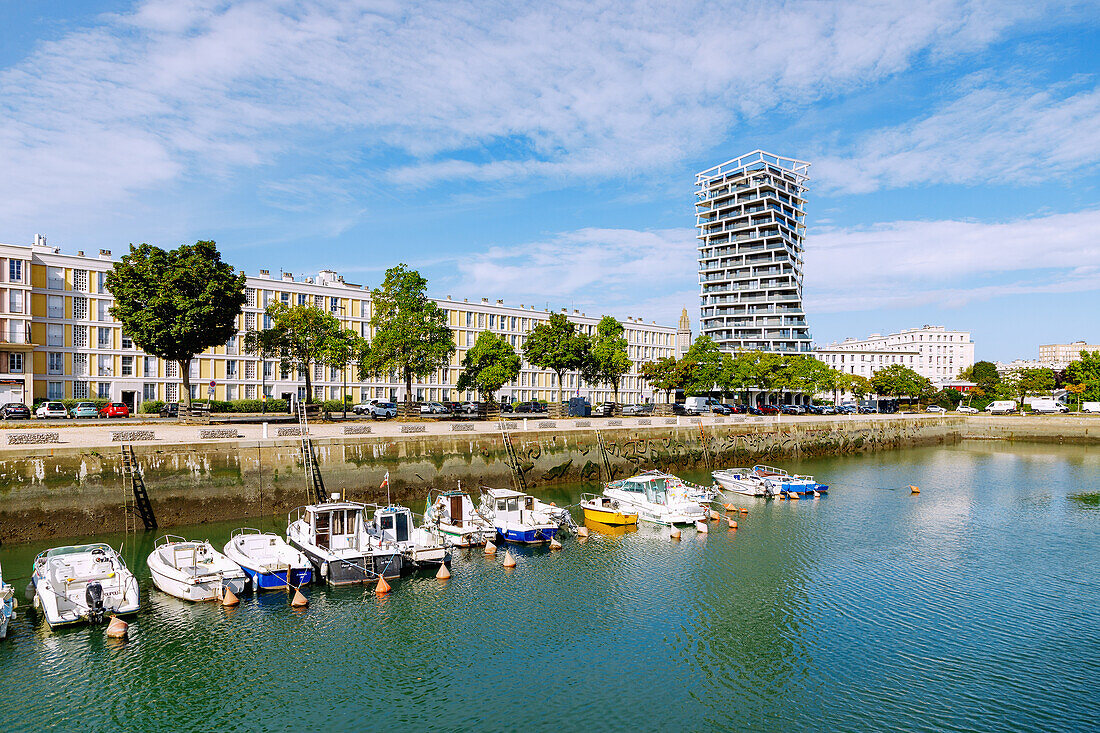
<point>750,212</point>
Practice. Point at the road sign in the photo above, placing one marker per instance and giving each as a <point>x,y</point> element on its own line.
<point>211,390</point>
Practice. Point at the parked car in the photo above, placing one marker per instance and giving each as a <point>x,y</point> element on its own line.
<point>85,409</point>
<point>717,408</point>
<point>678,408</point>
<point>846,409</point>
<point>48,410</point>
<point>604,409</point>
<point>1046,405</point>
<point>827,409</point>
<point>1090,407</point>
<point>468,408</point>
<point>15,411</point>
<point>383,410</point>
<point>434,408</point>
<point>768,409</point>
<point>363,408</point>
<point>967,409</point>
<point>530,407</point>
<point>170,409</point>
<point>646,409</point>
<point>789,409</point>
<point>114,409</point>
<point>935,408</point>
<point>504,406</point>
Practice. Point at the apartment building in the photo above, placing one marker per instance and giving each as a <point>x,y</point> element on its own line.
<point>59,341</point>
<point>931,351</point>
<point>750,215</point>
<point>1058,356</point>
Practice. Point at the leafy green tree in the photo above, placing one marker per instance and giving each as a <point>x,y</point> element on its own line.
<point>1086,371</point>
<point>556,345</point>
<point>178,303</point>
<point>1020,383</point>
<point>858,385</point>
<point>764,369</point>
<point>608,355</point>
<point>735,375</point>
<point>984,374</point>
<point>703,366</point>
<point>665,374</point>
<point>1078,390</point>
<point>488,365</point>
<point>900,381</point>
<point>411,336</point>
<point>302,336</point>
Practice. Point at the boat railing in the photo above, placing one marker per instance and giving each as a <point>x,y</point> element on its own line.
<point>169,539</point>
<point>243,531</point>
<point>769,470</point>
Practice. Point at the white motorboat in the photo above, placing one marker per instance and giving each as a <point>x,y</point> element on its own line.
<point>83,584</point>
<point>657,497</point>
<point>7,605</point>
<point>393,527</point>
<point>333,536</point>
<point>268,561</point>
<point>740,481</point>
<point>193,570</point>
<point>452,518</point>
<point>518,517</point>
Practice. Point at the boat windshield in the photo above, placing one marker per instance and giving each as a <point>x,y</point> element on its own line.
<point>57,551</point>
<point>655,491</point>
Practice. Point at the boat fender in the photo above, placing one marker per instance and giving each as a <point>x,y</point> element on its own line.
<point>93,596</point>
<point>117,628</point>
<point>674,533</point>
<point>324,569</point>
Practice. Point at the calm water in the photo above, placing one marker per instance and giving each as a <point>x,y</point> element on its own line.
<point>974,606</point>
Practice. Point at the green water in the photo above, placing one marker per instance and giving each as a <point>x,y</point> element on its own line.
<point>973,606</point>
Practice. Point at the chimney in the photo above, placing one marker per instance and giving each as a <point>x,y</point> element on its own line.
<point>104,254</point>
<point>484,300</point>
<point>265,273</point>
<point>39,240</point>
<point>288,277</point>
<point>80,253</point>
<point>448,297</point>
<point>500,302</point>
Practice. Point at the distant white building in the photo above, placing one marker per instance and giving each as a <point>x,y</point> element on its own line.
<point>931,351</point>
<point>1004,367</point>
<point>1058,356</point>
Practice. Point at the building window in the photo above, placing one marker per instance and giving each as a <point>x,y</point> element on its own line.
<point>319,302</point>
<point>127,366</point>
<point>105,339</point>
<point>55,278</point>
<point>55,306</point>
<point>103,390</point>
<point>55,334</point>
<point>80,280</point>
<point>103,312</point>
<point>80,336</point>
<point>15,271</point>
<point>15,363</point>
<point>267,321</point>
<point>250,392</point>
<point>171,392</point>
<point>80,390</point>
<point>250,370</point>
<point>269,370</point>
<point>103,365</point>
<point>127,342</point>
<point>101,282</point>
<point>334,305</point>
<point>250,297</point>
<point>55,363</point>
<point>230,368</point>
<point>230,392</point>
<point>15,301</point>
<point>250,321</point>
<point>285,298</point>
<point>149,391</point>
<point>231,346</point>
<point>171,368</point>
<point>301,298</point>
<point>55,390</point>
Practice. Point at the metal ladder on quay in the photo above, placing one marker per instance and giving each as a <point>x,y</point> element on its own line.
<point>603,455</point>
<point>309,461</point>
<point>135,497</point>
<point>519,481</point>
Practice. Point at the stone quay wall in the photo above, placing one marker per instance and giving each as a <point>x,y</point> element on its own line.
<point>74,491</point>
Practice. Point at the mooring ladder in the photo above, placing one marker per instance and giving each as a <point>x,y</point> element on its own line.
<point>706,451</point>
<point>309,461</point>
<point>136,499</point>
<point>603,456</point>
<point>518,479</point>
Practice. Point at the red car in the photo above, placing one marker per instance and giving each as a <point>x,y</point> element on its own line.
<point>114,409</point>
<point>769,409</point>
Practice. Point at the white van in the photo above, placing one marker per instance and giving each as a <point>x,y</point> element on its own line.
<point>1090,407</point>
<point>1047,405</point>
<point>703,406</point>
<point>1001,407</point>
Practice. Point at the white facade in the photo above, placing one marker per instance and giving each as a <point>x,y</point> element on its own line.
<point>751,226</point>
<point>931,351</point>
<point>1060,355</point>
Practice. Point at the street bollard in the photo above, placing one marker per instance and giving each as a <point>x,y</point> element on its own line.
<point>265,431</point>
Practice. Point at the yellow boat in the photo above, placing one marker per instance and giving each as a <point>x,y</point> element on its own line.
<point>603,510</point>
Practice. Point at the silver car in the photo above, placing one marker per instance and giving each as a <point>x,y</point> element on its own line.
<point>49,410</point>
<point>383,410</point>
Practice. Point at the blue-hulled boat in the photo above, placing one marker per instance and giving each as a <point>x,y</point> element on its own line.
<point>778,482</point>
<point>268,561</point>
<point>518,517</point>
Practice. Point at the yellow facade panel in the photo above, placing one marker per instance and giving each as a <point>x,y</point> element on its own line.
<point>38,276</point>
<point>68,363</point>
<point>68,278</point>
<point>68,306</point>
<point>39,362</point>
<point>68,333</point>
<point>38,333</point>
<point>38,305</point>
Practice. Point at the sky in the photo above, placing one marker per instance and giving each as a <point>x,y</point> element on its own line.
<point>546,153</point>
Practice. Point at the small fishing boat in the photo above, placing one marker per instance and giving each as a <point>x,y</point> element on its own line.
<point>452,518</point>
<point>778,482</point>
<point>740,481</point>
<point>7,606</point>
<point>192,570</point>
<point>657,497</point>
<point>518,517</point>
<point>332,534</point>
<point>392,528</point>
<point>605,510</point>
<point>268,561</point>
<point>83,584</point>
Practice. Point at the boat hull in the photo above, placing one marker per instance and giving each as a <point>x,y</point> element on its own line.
<point>609,517</point>
<point>277,580</point>
<point>458,537</point>
<point>527,535</point>
<point>354,569</point>
<point>200,591</point>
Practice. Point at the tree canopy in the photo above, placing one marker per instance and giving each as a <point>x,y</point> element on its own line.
<point>984,374</point>
<point>556,345</point>
<point>1086,371</point>
<point>702,366</point>
<point>178,303</point>
<point>411,336</point>
<point>900,381</point>
<point>302,336</point>
<point>607,356</point>
<point>488,365</point>
<point>1028,381</point>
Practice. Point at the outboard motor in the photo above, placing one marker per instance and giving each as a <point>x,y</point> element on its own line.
<point>93,594</point>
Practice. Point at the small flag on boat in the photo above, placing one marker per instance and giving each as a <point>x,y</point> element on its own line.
<point>385,481</point>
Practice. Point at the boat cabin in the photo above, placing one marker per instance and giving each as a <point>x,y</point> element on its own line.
<point>394,523</point>
<point>653,488</point>
<point>456,507</point>
<point>335,525</point>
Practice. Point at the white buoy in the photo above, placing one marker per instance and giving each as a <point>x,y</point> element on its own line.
<point>674,533</point>
<point>554,544</point>
<point>701,526</point>
<point>490,548</point>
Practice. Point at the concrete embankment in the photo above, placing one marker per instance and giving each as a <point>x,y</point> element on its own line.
<point>77,489</point>
<point>1082,429</point>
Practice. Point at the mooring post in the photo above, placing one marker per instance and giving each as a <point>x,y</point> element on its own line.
<point>265,431</point>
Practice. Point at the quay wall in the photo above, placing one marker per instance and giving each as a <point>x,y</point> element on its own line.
<point>75,491</point>
<point>1079,429</point>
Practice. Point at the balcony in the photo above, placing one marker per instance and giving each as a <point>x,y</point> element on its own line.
<point>16,334</point>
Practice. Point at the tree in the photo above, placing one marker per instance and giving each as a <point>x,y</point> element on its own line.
<point>858,385</point>
<point>764,369</point>
<point>608,356</point>
<point>1022,382</point>
<point>1086,371</point>
<point>984,374</point>
<point>900,381</point>
<point>1077,389</point>
<point>178,303</point>
<point>489,365</point>
<point>411,336</point>
<point>665,375</point>
<point>735,375</point>
<point>556,345</point>
<point>303,336</point>
<point>703,366</point>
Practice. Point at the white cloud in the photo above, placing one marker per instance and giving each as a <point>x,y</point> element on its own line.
<point>198,89</point>
<point>988,135</point>
<point>950,263</point>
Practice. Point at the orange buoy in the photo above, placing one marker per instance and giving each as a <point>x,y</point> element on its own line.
<point>299,600</point>
<point>554,544</point>
<point>714,515</point>
<point>729,507</point>
<point>382,588</point>
<point>443,573</point>
<point>701,526</point>
<point>229,598</point>
<point>733,524</point>
<point>117,628</point>
<point>509,561</point>
<point>582,532</point>
<point>553,504</point>
<point>490,548</point>
<point>744,511</point>
<point>913,489</point>
<point>674,533</point>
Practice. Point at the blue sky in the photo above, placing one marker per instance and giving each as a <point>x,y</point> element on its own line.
<point>545,153</point>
